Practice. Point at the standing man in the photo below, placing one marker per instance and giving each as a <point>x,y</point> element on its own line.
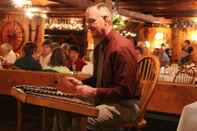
<point>113,84</point>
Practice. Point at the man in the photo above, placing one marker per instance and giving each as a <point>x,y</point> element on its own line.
<point>115,66</point>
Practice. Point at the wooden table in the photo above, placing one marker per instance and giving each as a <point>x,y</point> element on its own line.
<point>171,98</point>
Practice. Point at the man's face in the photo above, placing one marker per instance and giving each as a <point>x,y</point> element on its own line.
<point>95,23</point>
<point>74,55</point>
<point>46,49</point>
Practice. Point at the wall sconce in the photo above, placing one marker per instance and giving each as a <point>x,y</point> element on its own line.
<point>31,12</point>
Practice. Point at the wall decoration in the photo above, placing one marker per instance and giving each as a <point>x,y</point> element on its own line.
<point>59,23</point>
<point>13,33</point>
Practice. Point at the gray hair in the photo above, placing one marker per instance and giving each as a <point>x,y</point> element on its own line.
<point>6,47</point>
<point>102,8</point>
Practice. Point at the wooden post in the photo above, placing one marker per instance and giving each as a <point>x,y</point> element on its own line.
<point>30,31</point>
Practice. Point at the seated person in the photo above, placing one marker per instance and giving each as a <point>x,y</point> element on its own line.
<point>75,63</point>
<point>186,52</point>
<point>56,62</point>
<point>46,53</point>
<point>113,85</point>
<point>139,52</point>
<point>169,53</point>
<point>27,61</point>
<point>88,68</point>
<point>164,58</point>
<point>8,56</point>
<point>66,48</point>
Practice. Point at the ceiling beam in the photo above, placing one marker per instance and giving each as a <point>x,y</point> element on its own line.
<point>143,17</point>
<point>177,14</point>
<point>76,3</point>
<point>169,5</point>
<point>158,9</point>
<point>154,1</point>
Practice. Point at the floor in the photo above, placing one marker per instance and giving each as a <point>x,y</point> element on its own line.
<point>32,119</point>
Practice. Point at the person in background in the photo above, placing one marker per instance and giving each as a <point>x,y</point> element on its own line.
<point>162,56</point>
<point>47,49</point>
<point>186,55</point>
<point>75,63</point>
<point>139,52</point>
<point>144,46</point>
<point>114,83</point>
<point>169,53</point>
<point>164,59</point>
<point>57,62</point>
<point>88,68</point>
<point>8,56</point>
<point>66,49</point>
<point>27,61</point>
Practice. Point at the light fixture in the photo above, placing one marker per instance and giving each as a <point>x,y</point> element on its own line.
<point>159,36</point>
<point>22,3</point>
<point>194,36</point>
<point>28,8</point>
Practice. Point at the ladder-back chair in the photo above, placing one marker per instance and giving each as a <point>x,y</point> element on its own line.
<point>147,76</point>
<point>185,76</point>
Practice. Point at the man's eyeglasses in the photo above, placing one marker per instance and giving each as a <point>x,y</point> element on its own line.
<point>92,20</point>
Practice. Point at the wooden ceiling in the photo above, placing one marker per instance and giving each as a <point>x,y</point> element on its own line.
<point>161,8</point>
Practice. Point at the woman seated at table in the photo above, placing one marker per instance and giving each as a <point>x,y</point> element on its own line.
<point>28,61</point>
<point>7,55</point>
<point>57,61</point>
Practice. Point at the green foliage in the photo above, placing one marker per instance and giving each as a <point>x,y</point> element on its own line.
<point>118,22</point>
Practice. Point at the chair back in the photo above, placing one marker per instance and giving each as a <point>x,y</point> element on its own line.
<point>185,76</point>
<point>147,76</point>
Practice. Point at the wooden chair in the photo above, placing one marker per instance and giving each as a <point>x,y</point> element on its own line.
<point>185,76</point>
<point>147,76</point>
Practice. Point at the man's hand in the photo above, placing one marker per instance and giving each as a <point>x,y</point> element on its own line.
<point>68,85</point>
<point>107,112</point>
<point>74,81</point>
<point>86,90</point>
<point>72,85</point>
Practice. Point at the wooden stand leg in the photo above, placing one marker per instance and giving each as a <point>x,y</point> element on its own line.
<point>19,116</point>
<point>79,124</point>
<point>44,118</point>
<point>83,123</point>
